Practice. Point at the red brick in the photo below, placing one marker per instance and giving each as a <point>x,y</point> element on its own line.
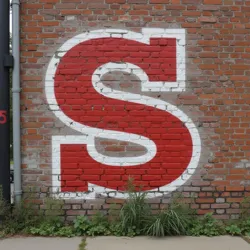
<point>159,1</point>
<point>211,2</point>
<point>235,188</point>
<point>205,200</point>
<point>115,1</point>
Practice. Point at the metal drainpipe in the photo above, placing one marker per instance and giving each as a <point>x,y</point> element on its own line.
<point>5,64</point>
<point>16,100</point>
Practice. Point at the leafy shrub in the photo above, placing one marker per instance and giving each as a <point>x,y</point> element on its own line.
<point>116,229</point>
<point>98,225</point>
<point>207,226</point>
<point>98,230</point>
<point>65,231</point>
<point>81,225</point>
<point>233,229</point>
<point>25,218</point>
<point>20,218</point>
<point>245,226</point>
<point>50,227</point>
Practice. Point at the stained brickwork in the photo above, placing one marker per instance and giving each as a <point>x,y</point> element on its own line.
<point>153,89</point>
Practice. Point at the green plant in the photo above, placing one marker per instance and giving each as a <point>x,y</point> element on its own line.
<point>82,245</point>
<point>179,204</point>
<point>116,229</point>
<point>53,207</point>
<point>208,226</point>
<point>135,217</point>
<point>113,212</point>
<point>167,222</point>
<point>244,208</point>
<point>25,217</point>
<point>81,225</point>
<point>133,213</point>
<point>21,217</point>
<point>156,225</point>
<point>99,225</point>
<point>5,208</point>
<point>245,226</point>
<point>99,219</point>
<point>98,230</point>
<point>65,231</point>
<point>50,227</point>
<point>233,229</point>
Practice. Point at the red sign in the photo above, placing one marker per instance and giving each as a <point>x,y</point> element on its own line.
<point>73,86</point>
<point>78,97</point>
<point>3,116</point>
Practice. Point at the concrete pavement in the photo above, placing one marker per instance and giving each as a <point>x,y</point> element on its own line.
<point>171,243</point>
<point>39,243</point>
<point>124,243</point>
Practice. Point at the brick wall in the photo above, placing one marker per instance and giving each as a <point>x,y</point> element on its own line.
<point>155,90</point>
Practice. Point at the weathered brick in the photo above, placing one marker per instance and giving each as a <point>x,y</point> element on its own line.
<point>208,19</point>
<point>216,99</point>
